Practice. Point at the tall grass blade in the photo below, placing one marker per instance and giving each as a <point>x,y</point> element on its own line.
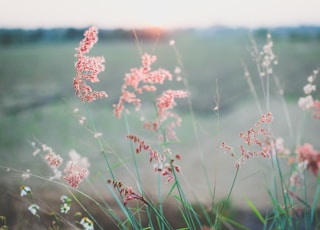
<point>256,211</point>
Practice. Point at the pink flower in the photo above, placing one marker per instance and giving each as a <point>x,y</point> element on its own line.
<point>166,100</point>
<point>139,80</point>
<point>88,68</point>
<point>306,153</point>
<point>305,103</point>
<point>256,142</point>
<point>90,38</point>
<point>316,109</point>
<point>127,192</point>
<point>75,174</point>
<point>53,159</point>
<point>159,160</point>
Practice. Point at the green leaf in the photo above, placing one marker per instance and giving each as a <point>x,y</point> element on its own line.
<point>255,211</point>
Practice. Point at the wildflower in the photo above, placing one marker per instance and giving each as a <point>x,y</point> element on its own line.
<point>140,79</point>
<point>33,208</point>
<point>86,223</point>
<point>127,192</point>
<point>159,160</point>
<point>256,142</point>
<point>167,171</point>
<point>166,100</point>
<point>306,153</point>
<point>53,159</point>
<point>64,208</point>
<point>66,204</point>
<point>88,68</point>
<point>75,174</point>
<point>306,103</point>
<point>25,190</point>
<point>308,88</point>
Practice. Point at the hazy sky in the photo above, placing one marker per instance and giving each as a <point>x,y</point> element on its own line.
<point>166,13</point>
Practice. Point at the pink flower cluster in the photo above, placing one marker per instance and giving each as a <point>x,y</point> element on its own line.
<point>75,174</point>
<point>159,160</point>
<point>127,192</point>
<point>164,105</point>
<point>75,170</point>
<point>310,156</point>
<point>257,140</point>
<point>51,157</point>
<point>88,68</point>
<point>140,79</point>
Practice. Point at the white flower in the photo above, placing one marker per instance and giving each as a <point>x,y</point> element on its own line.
<point>308,88</point>
<point>86,223</point>
<point>25,190</point>
<point>305,103</point>
<point>64,208</point>
<point>33,209</point>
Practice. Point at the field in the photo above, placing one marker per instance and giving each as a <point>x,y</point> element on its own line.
<point>37,103</point>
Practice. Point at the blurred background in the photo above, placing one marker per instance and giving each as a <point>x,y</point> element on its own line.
<point>37,47</point>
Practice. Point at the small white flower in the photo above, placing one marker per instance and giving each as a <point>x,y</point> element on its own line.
<point>25,190</point>
<point>86,223</point>
<point>64,208</point>
<point>33,208</point>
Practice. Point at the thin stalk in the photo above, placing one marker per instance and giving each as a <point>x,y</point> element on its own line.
<point>283,190</point>
<point>194,125</point>
<point>315,200</point>
<point>134,156</point>
<point>100,144</point>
